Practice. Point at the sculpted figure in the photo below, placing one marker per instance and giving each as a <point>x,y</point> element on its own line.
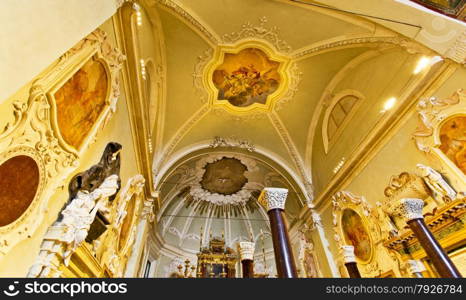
<point>80,213</point>
<point>440,188</point>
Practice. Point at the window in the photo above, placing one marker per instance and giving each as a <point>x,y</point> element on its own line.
<point>147,269</point>
<point>338,114</point>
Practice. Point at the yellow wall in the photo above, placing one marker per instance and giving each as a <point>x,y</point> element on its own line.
<point>37,32</point>
<point>17,261</point>
<point>399,154</point>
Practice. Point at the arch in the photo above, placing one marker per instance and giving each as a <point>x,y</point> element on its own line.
<point>342,108</point>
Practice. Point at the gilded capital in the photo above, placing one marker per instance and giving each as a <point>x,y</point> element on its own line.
<point>348,254</point>
<point>407,208</point>
<point>246,250</point>
<point>273,198</point>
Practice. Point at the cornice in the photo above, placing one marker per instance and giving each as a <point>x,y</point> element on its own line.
<point>383,132</point>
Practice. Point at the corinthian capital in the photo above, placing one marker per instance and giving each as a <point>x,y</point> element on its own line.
<point>272,198</point>
<point>246,250</point>
<point>407,208</point>
<point>348,254</point>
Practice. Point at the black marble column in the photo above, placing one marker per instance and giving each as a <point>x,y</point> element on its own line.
<point>411,210</point>
<point>350,261</point>
<point>274,200</point>
<point>439,258</point>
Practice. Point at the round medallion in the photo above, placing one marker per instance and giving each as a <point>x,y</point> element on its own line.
<point>19,180</point>
<point>225,176</point>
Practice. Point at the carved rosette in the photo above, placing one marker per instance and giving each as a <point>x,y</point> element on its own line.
<point>246,250</point>
<point>407,208</point>
<point>348,254</point>
<point>273,198</point>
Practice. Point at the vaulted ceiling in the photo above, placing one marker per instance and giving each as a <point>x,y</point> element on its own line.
<point>316,43</point>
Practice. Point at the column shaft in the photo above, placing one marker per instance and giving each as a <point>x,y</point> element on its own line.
<point>353,270</point>
<point>248,268</point>
<point>439,258</point>
<point>286,267</point>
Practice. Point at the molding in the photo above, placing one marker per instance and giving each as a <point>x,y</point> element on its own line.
<point>360,40</point>
<point>261,32</point>
<point>137,102</point>
<point>458,51</point>
<point>293,152</point>
<point>190,19</point>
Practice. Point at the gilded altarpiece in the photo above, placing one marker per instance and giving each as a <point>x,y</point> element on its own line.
<point>441,135</point>
<point>444,213</point>
<point>37,137</point>
<point>356,223</point>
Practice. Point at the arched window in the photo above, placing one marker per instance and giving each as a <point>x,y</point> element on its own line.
<point>338,114</point>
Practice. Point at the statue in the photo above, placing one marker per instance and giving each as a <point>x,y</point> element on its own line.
<point>81,212</point>
<point>89,193</point>
<point>438,185</point>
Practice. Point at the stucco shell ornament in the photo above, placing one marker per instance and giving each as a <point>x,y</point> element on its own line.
<point>219,182</point>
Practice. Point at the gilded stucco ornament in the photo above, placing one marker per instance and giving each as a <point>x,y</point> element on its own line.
<point>259,31</point>
<point>434,114</point>
<point>273,198</point>
<point>232,142</point>
<point>246,91</point>
<point>354,213</point>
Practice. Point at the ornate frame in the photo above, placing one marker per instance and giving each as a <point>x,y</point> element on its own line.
<point>133,188</point>
<point>345,200</point>
<point>433,113</point>
<point>33,130</point>
<point>217,58</point>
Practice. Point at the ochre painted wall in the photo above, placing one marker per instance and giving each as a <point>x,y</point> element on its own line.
<point>16,262</point>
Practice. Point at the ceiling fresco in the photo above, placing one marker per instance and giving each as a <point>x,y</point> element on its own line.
<point>225,176</point>
<point>246,78</point>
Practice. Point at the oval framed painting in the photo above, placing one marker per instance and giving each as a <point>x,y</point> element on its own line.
<point>356,234</point>
<point>21,183</point>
